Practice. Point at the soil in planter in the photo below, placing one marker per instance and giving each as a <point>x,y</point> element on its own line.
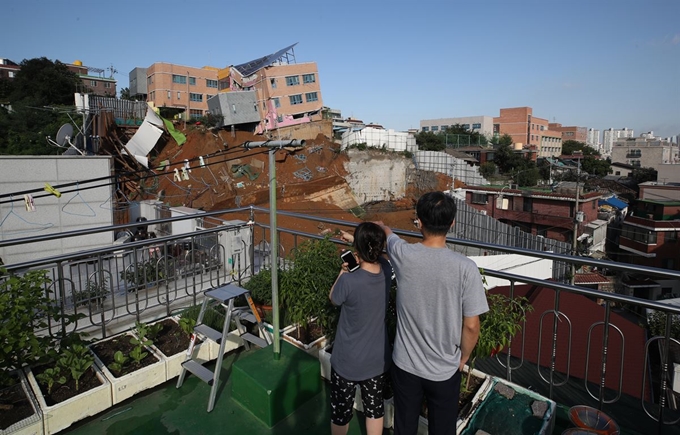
<point>106,349</point>
<point>171,340</point>
<point>14,406</point>
<point>465,398</point>
<point>61,393</point>
<point>307,335</point>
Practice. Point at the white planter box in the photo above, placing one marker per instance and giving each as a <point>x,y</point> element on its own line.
<point>233,343</point>
<point>62,415</point>
<point>269,331</point>
<point>32,425</point>
<point>132,383</point>
<point>325,361</point>
<point>311,348</point>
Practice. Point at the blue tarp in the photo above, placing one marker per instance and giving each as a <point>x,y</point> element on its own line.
<point>614,202</point>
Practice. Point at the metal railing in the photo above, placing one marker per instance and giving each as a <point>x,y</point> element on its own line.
<point>141,281</point>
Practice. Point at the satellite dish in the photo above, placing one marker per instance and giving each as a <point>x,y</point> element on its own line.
<point>64,134</point>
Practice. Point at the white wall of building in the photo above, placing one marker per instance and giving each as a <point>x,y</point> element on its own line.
<point>79,207</point>
<point>380,138</point>
<point>610,135</point>
<point>375,177</point>
<point>516,264</point>
<point>481,124</point>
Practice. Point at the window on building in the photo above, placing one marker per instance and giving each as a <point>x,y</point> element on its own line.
<point>466,126</point>
<point>426,128</point>
<point>542,231</point>
<point>527,204</point>
<point>223,84</point>
<point>169,96</point>
<point>308,78</point>
<point>295,99</point>
<point>476,126</point>
<point>208,96</point>
<point>277,102</point>
<point>195,113</point>
<point>273,83</point>
<point>542,127</point>
<point>210,83</point>
<point>435,128</point>
<point>192,81</point>
<point>279,118</point>
<point>292,80</point>
<point>196,97</point>
<point>182,80</point>
<point>532,126</point>
<point>178,95</point>
<point>149,80</point>
<point>107,85</point>
<point>672,236</point>
<point>638,234</point>
<point>311,96</point>
<point>443,127</point>
<point>479,198</point>
<point>93,83</point>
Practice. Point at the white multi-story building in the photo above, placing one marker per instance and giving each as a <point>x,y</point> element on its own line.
<point>610,135</point>
<point>481,124</point>
<point>593,139</point>
<point>642,152</point>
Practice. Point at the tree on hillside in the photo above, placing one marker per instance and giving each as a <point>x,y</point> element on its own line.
<point>598,167</point>
<point>428,141</point>
<point>569,146</point>
<point>504,139</point>
<point>642,175</point>
<point>460,135</point>
<point>39,86</point>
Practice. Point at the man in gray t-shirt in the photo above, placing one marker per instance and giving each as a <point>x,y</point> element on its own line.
<point>439,299</point>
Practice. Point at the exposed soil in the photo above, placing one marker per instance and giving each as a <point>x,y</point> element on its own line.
<point>215,186</point>
<point>61,393</point>
<point>14,406</point>
<point>171,340</point>
<point>106,349</point>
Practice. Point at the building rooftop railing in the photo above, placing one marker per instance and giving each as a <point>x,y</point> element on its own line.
<point>115,286</point>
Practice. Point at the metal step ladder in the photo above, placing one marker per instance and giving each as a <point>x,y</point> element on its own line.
<point>224,296</point>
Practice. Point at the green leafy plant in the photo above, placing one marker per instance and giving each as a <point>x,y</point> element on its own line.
<point>93,295</point>
<point>187,325</point>
<point>260,286</point>
<point>304,288</point>
<point>119,362</point>
<point>50,377</point>
<point>25,306</point>
<point>138,354</point>
<point>498,326</point>
<point>77,359</point>
<point>148,272</point>
<point>146,333</point>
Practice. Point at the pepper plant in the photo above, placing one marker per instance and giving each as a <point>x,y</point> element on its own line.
<point>25,306</point>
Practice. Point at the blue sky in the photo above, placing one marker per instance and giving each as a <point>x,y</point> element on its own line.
<point>591,63</point>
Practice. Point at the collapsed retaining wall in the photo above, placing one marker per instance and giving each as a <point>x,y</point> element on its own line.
<point>376,176</point>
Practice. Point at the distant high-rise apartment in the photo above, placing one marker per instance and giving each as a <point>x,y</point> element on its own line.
<point>593,139</point>
<point>610,135</point>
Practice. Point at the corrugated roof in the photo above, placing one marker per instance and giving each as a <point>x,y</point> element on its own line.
<point>249,68</point>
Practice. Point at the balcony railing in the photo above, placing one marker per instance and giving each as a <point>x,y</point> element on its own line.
<point>149,279</point>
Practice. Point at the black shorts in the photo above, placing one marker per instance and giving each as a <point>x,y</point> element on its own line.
<point>342,397</point>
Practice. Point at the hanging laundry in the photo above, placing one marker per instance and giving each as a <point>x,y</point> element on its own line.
<point>185,174</point>
<point>186,165</point>
<point>200,159</point>
<point>177,176</point>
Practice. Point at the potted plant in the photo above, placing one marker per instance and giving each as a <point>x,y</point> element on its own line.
<point>129,363</point>
<point>148,273</point>
<point>93,295</point>
<point>304,293</point>
<point>24,306</point>
<point>69,388</point>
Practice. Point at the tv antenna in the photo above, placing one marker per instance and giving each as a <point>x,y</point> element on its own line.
<point>63,139</point>
<point>112,71</point>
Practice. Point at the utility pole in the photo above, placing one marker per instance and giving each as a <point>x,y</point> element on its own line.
<point>576,222</point>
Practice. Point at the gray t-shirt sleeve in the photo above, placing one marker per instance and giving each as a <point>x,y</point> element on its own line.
<point>340,290</point>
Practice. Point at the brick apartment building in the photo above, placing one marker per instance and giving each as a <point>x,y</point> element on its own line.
<point>287,93</point>
<point>93,79</point>
<point>8,69</point>
<point>579,134</point>
<point>651,231</point>
<point>528,130</point>
<point>547,214</point>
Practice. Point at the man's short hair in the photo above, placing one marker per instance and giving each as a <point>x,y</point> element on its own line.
<point>436,212</point>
